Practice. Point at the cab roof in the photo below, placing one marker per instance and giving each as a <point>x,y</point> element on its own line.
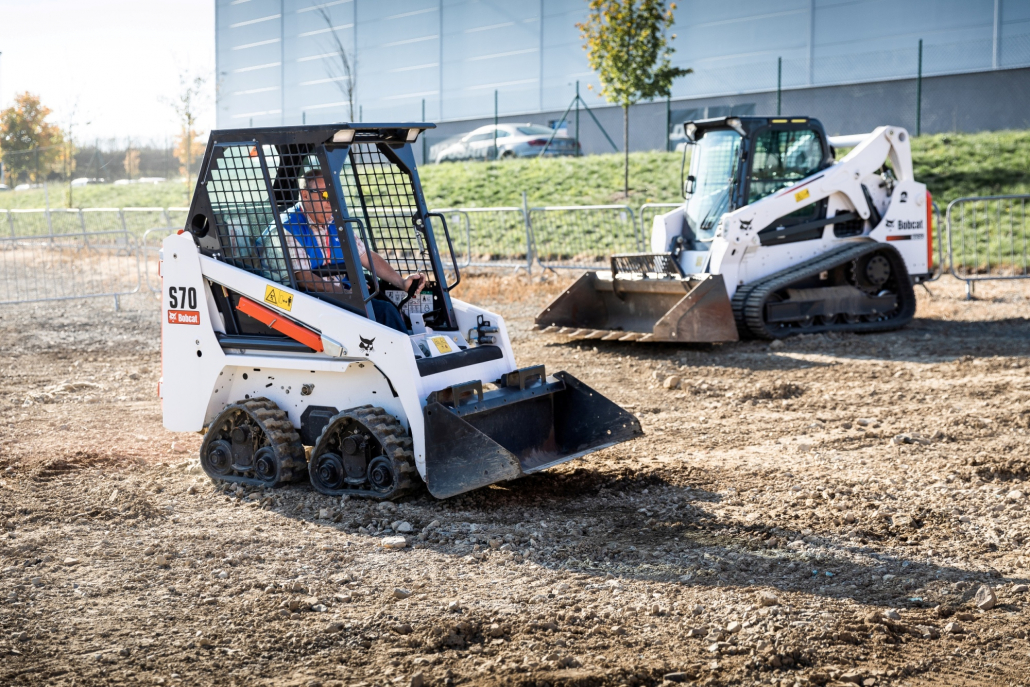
<point>744,125</point>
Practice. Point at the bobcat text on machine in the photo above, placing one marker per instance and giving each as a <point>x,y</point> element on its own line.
<point>775,238</point>
<point>270,341</point>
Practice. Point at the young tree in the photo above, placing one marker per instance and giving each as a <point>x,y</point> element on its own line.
<point>186,106</point>
<point>131,162</point>
<point>189,146</point>
<point>627,47</point>
<point>342,69</point>
<point>31,145</point>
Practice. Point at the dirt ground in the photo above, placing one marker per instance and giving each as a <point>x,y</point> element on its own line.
<point>820,512</point>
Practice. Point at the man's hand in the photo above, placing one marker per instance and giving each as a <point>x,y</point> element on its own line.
<point>420,278</point>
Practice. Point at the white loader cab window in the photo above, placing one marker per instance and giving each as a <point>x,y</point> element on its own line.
<point>713,167</point>
<point>781,159</point>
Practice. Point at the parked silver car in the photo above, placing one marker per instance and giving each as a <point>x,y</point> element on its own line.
<point>513,140</point>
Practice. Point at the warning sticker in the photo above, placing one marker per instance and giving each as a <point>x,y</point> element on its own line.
<point>422,303</point>
<point>442,344</point>
<point>278,298</point>
<point>183,317</point>
<point>801,195</point>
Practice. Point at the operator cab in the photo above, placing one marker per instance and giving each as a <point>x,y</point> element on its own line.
<point>298,205</point>
<point>736,161</point>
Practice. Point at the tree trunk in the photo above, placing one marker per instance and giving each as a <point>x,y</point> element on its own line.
<point>625,147</point>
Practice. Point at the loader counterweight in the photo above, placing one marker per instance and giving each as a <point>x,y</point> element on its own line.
<point>288,321</point>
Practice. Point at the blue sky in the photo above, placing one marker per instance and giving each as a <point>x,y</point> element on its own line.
<point>108,63</point>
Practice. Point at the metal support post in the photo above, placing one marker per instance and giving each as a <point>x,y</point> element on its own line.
<point>529,235</point>
<point>779,84</point>
<point>919,91</point>
<point>424,133</point>
<point>495,123</point>
<point>577,119</point>
<point>668,122</point>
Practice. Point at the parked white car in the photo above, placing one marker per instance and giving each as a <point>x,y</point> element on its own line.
<point>513,140</point>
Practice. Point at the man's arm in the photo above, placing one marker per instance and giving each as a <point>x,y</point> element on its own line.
<point>386,272</point>
<point>309,281</point>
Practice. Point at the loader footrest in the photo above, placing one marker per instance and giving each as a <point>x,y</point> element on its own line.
<point>452,361</point>
<point>261,343</point>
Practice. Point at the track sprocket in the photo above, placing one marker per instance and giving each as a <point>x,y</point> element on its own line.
<point>253,442</point>
<point>366,452</point>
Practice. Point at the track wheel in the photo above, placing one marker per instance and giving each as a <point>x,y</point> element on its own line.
<point>363,451</point>
<point>253,442</point>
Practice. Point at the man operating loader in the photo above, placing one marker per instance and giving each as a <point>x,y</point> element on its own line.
<point>313,243</point>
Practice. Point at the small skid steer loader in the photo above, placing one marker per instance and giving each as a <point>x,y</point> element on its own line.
<point>775,238</point>
<point>271,344</point>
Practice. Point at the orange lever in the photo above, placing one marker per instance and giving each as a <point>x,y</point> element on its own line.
<point>281,324</point>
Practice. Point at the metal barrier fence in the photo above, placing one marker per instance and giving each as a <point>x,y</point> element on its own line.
<point>583,236</point>
<point>648,211</point>
<point>493,237</point>
<point>987,239</point>
<point>57,254</point>
<point>68,266</point>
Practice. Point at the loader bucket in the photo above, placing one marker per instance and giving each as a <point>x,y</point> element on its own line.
<point>532,423</point>
<point>691,308</point>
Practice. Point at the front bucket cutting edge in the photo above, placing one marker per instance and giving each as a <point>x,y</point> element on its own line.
<point>695,308</point>
<point>510,433</point>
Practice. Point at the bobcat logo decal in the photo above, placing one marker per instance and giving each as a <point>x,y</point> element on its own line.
<point>366,344</point>
<point>890,224</point>
<point>745,225</point>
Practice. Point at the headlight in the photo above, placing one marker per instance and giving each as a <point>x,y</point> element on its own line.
<point>343,136</point>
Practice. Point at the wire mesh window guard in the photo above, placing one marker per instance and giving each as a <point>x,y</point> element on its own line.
<point>244,216</point>
<point>384,192</point>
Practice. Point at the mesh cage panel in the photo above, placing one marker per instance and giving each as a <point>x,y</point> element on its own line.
<point>645,263</point>
<point>372,181</point>
<point>243,214</point>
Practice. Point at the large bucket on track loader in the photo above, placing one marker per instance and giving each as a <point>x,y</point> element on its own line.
<point>643,305</point>
<point>531,422</point>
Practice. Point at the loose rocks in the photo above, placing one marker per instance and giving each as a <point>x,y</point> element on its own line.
<point>985,598</point>
<point>394,542</point>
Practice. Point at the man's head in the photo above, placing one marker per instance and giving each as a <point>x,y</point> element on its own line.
<point>314,199</point>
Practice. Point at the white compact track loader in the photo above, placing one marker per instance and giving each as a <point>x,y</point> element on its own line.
<point>775,238</point>
<point>271,344</point>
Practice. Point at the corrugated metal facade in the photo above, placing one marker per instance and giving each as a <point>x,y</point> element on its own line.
<point>278,62</point>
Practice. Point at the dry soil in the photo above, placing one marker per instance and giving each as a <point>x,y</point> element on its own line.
<point>823,511</point>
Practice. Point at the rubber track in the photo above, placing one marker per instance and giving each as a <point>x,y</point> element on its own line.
<point>739,297</point>
<point>282,437</point>
<point>396,443</point>
<point>754,302</point>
